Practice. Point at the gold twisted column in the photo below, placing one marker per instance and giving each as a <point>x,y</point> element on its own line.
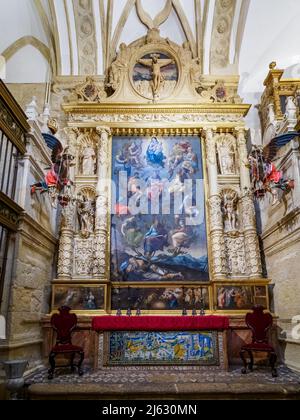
<point>101,262</point>
<point>216,234</point>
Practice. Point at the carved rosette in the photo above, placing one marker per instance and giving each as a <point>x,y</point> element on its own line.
<point>102,204</point>
<point>65,257</point>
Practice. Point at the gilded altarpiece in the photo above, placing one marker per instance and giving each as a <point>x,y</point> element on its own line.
<point>153,131</point>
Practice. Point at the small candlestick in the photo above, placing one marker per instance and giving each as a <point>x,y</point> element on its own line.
<point>194,313</point>
<point>184,311</point>
<point>119,311</point>
<point>129,312</point>
<point>202,312</point>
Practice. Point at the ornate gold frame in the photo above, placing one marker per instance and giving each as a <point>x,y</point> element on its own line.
<point>206,213</point>
<point>80,286</point>
<point>258,283</point>
<point>149,285</point>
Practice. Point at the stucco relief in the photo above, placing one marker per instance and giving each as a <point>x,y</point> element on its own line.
<point>86,36</point>
<point>222,26</point>
<point>84,256</point>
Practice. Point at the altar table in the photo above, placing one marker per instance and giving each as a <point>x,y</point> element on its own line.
<point>160,323</point>
<point>162,340</point>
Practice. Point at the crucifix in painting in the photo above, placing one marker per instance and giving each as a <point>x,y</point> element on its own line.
<point>156,64</point>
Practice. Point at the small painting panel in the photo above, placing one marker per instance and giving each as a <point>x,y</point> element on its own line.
<point>163,348</point>
<point>79,298</point>
<point>160,298</point>
<point>240,297</point>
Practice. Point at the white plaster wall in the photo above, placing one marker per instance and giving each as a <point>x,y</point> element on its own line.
<point>28,65</point>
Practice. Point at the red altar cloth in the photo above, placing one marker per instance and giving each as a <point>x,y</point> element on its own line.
<point>160,323</point>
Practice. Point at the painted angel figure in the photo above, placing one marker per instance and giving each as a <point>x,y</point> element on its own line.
<point>156,64</point>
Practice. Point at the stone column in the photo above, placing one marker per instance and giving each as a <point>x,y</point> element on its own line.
<point>66,243</point>
<point>101,261</point>
<point>216,234</point>
<point>248,211</point>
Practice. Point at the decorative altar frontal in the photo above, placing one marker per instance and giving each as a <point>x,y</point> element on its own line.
<point>162,348</point>
<point>162,340</point>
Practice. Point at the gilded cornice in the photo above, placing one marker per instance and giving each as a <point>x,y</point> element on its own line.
<point>123,108</point>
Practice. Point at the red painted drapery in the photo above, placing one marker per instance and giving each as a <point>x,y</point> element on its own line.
<point>160,323</point>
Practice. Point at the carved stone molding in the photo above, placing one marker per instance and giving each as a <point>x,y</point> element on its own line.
<point>221,35</point>
<point>91,91</point>
<point>248,212</point>
<point>86,36</point>
<point>159,19</point>
<point>236,255</point>
<point>216,216</point>
<point>102,205</point>
<point>156,117</point>
<point>66,253</point>
<point>84,257</point>
<point>219,263</point>
<point>68,217</point>
<point>217,237</point>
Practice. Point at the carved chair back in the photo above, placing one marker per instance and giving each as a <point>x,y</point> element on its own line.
<point>64,324</point>
<point>259,323</point>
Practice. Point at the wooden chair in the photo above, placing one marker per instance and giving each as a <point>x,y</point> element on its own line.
<point>260,323</point>
<point>64,324</point>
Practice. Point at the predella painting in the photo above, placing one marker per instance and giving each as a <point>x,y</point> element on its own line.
<point>160,299</point>
<point>158,231</point>
<point>79,298</point>
<point>241,297</point>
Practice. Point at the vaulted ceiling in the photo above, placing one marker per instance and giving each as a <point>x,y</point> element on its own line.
<point>78,37</point>
<point>82,36</point>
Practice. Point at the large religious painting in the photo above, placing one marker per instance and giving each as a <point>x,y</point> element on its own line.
<point>163,348</point>
<point>158,229</point>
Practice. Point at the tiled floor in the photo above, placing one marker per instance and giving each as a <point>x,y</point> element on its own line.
<point>146,376</point>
